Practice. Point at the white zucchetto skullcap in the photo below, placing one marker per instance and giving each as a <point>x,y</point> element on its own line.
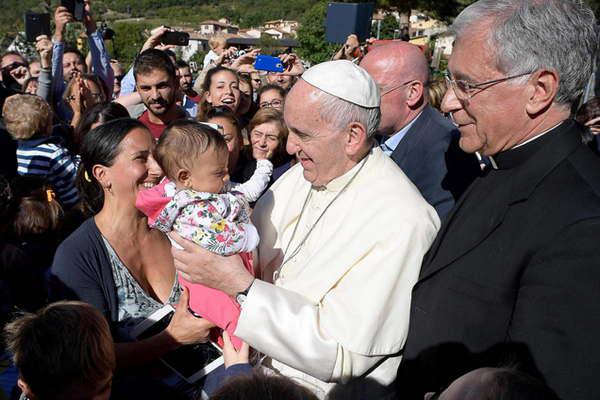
<point>345,80</point>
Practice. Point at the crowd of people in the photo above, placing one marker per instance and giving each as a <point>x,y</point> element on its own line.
<point>352,230</point>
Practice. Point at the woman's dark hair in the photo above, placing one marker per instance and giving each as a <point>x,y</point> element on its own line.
<point>269,87</point>
<point>259,386</point>
<point>100,146</point>
<point>247,98</point>
<point>223,112</point>
<point>205,105</point>
<point>100,113</point>
<point>212,72</point>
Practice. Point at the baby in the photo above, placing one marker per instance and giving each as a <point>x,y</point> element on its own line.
<point>199,203</point>
<point>28,119</point>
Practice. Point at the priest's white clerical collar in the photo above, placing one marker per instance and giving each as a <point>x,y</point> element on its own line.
<point>539,135</point>
<point>536,136</point>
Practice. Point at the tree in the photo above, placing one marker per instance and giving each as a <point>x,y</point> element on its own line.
<point>387,28</point>
<point>311,36</point>
<point>267,44</point>
<point>197,61</point>
<point>128,41</point>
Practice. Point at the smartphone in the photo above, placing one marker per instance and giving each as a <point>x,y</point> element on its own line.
<point>176,38</point>
<point>36,24</point>
<point>191,362</point>
<point>268,63</point>
<point>75,7</point>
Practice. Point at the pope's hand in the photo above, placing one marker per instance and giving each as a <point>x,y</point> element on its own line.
<point>198,265</point>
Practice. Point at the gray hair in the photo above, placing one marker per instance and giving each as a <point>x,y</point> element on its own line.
<point>529,35</point>
<point>340,112</point>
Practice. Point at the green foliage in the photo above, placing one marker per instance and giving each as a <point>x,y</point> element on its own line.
<point>197,58</point>
<point>245,13</point>
<point>129,39</point>
<point>11,18</point>
<point>388,26</point>
<point>267,44</point>
<point>311,36</point>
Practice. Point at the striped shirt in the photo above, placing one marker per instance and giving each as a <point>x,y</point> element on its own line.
<point>46,157</point>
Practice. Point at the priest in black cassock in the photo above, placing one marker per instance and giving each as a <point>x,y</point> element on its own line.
<point>513,276</point>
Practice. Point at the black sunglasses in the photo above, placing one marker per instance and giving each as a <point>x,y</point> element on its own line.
<point>13,65</point>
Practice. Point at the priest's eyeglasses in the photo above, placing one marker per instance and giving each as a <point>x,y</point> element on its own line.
<point>465,90</point>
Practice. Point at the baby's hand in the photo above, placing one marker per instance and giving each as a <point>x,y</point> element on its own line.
<point>231,356</point>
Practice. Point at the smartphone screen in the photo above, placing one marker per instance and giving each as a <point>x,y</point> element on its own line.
<point>75,7</point>
<point>36,24</point>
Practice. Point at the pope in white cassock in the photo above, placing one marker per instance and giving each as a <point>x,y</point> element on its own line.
<point>343,234</point>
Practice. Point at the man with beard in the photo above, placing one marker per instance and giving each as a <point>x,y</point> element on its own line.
<point>156,82</point>
<point>191,98</point>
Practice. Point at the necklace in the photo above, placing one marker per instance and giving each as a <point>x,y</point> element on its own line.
<point>303,241</point>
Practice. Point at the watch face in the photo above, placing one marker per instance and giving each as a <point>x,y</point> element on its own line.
<point>240,298</point>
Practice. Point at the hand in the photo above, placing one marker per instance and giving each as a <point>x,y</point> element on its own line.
<point>246,59</point>
<point>75,99</point>
<point>292,64</point>
<point>226,56</point>
<point>231,356</point>
<point>199,265</point>
<point>43,46</point>
<point>155,36</point>
<point>20,74</point>
<point>184,328</point>
<point>594,125</point>
<point>351,45</point>
<point>88,20</point>
<point>62,17</point>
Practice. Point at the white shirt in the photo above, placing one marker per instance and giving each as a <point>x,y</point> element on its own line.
<point>338,309</point>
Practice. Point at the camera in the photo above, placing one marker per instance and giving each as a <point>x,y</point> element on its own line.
<point>106,32</point>
<point>176,38</point>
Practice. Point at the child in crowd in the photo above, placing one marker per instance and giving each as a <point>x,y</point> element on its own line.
<point>198,202</point>
<point>28,119</point>
<point>36,228</point>
<point>63,351</point>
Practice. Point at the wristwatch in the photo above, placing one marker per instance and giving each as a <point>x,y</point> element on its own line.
<point>240,297</point>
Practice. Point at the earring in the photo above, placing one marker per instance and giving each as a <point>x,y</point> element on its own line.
<point>109,188</point>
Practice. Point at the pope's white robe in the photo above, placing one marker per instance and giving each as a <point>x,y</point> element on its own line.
<point>338,309</point>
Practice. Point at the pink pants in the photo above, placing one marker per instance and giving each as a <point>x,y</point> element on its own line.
<point>217,306</point>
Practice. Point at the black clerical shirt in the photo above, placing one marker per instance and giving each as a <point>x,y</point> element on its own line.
<point>514,274</point>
